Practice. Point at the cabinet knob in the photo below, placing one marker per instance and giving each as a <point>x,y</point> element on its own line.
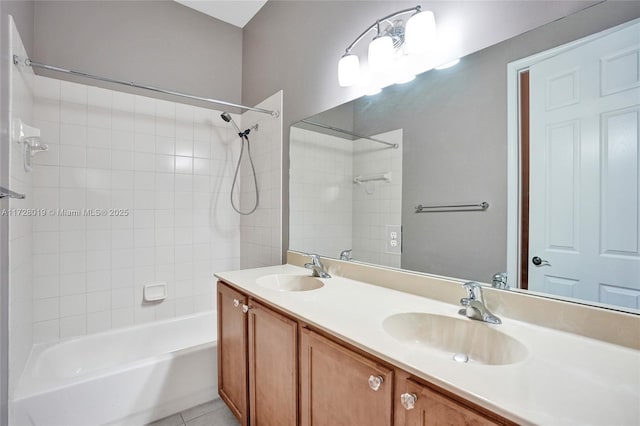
<point>375,382</point>
<point>408,400</point>
<point>245,308</point>
<point>236,303</point>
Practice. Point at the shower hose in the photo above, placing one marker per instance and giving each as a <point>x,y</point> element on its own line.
<point>243,138</point>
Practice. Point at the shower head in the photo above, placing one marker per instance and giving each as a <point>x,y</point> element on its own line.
<point>227,117</point>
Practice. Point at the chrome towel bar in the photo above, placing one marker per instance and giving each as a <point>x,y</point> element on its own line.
<point>452,207</point>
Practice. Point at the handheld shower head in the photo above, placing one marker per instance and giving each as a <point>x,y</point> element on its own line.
<point>227,117</point>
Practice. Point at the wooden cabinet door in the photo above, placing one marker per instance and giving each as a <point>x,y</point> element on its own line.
<point>273,368</point>
<point>232,351</point>
<point>434,409</point>
<point>335,389</point>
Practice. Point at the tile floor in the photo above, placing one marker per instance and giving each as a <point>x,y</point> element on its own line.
<point>212,413</point>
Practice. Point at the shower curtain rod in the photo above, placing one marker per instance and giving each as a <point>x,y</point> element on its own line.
<point>28,62</point>
<point>339,130</point>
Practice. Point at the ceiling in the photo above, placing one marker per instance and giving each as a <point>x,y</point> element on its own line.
<point>235,12</point>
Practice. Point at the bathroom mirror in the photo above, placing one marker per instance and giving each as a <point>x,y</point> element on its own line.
<point>453,130</point>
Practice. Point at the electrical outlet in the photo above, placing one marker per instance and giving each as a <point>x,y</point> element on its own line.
<point>393,239</point>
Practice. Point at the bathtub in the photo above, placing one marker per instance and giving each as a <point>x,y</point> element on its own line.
<point>129,376</point>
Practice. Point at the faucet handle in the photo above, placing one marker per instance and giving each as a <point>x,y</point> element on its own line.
<point>315,259</point>
<point>346,254</point>
<point>471,287</point>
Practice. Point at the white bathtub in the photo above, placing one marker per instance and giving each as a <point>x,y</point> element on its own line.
<point>129,376</point>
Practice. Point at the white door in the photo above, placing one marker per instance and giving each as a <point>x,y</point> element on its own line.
<point>585,177</point>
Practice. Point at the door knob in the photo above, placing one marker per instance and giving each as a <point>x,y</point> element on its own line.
<point>236,303</point>
<point>408,400</point>
<point>540,262</point>
<point>245,308</point>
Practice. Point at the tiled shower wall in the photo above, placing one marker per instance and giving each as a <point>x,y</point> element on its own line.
<point>377,204</point>
<point>329,213</point>
<point>159,175</point>
<point>20,238</point>
<point>321,193</point>
<point>261,236</point>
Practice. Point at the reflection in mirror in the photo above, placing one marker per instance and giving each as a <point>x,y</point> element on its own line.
<point>346,194</point>
<point>452,126</point>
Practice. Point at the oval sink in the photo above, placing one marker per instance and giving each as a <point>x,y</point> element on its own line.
<point>456,337</point>
<point>283,282</point>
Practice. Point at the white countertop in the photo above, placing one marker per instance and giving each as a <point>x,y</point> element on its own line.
<point>565,378</point>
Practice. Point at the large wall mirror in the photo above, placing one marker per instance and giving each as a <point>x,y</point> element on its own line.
<point>524,158</point>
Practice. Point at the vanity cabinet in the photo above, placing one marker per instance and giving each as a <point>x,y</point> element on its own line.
<point>257,360</point>
<point>420,405</point>
<point>341,387</point>
<point>273,369</point>
<point>232,351</point>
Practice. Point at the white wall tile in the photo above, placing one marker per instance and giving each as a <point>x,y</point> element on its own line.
<point>144,143</point>
<point>73,284</point>
<point>99,301</point>
<point>122,140</point>
<point>98,158</point>
<point>45,287</point>
<point>45,309</point>
<point>73,92</point>
<point>98,321</point>
<point>73,326</point>
<point>98,281</point>
<point>122,297</point>
<point>184,165</point>
<point>73,155</point>
<point>73,305</point>
<point>122,317</point>
<point>99,137</point>
<point>73,113</point>
<point>47,88</point>
<point>115,150</point>
<point>46,331</point>
<point>99,260</point>
<point>122,160</point>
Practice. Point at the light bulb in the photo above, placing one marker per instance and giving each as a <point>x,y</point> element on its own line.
<point>348,70</point>
<point>420,32</point>
<point>381,54</point>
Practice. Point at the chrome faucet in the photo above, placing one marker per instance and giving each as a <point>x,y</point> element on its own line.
<point>499,280</point>
<point>473,305</point>
<point>346,255</point>
<point>316,266</point>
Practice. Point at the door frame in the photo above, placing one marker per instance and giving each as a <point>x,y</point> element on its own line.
<point>514,154</point>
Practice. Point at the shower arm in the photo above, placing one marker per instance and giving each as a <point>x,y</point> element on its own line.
<point>28,62</point>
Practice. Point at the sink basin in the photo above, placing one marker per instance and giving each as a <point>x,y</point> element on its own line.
<point>284,282</point>
<point>467,340</point>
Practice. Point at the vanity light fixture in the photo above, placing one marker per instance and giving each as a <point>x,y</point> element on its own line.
<point>394,39</point>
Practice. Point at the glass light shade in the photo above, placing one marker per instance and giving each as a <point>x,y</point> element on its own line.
<point>405,78</point>
<point>448,64</point>
<point>348,70</point>
<point>381,54</point>
<point>420,32</point>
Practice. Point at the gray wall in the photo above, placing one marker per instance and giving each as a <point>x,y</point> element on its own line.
<point>159,43</point>
<point>295,46</point>
<point>455,146</point>
<point>22,12</point>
